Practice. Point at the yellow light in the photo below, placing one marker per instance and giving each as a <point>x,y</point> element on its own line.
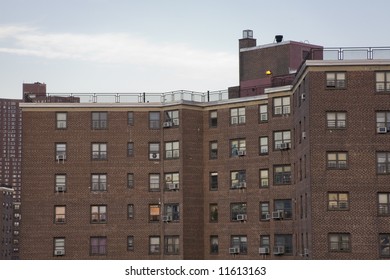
<point>268,72</point>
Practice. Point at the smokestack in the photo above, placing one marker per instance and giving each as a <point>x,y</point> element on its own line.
<point>278,38</point>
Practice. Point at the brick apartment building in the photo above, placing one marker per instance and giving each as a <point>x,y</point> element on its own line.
<point>294,165</point>
<point>6,223</point>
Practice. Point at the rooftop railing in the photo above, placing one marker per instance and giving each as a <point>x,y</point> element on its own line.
<point>346,53</point>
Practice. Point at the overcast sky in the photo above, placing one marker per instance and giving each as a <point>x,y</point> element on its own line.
<point>158,46</point>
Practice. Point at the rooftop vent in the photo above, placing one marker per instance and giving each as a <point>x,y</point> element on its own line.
<point>278,38</point>
<point>247,34</point>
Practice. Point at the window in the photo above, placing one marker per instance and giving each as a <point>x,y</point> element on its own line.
<point>172,150</point>
<point>339,242</point>
<point>154,182</point>
<point>263,113</point>
<point>284,206</point>
<point>171,211</point>
<point>336,119</point>
<point>213,149</point>
<point>383,122</point>
<point>264,178</point>
<point>60,183</point>
<point>335,80</point>
<point>282,175</point>
<point>99,120</point>
<point>283,243</point>
<point>337,160</point>
<point>130,211</point>
<point>213,119</point>
<point>98,214</point>
<point>263,144</point>
<point>237,147</point>
<point>130,243</point>
<point>60,151</point>
<point>264,211</point>
<point>382,81</point>
<point>99,151</point>
<point>99,182</point>
<point>213,181</point>
<point>59,212</point>
<point>214,244</point>
<point>130,118</point>
<point>154,212</point>
<point>59,246</point>
<point>265,242</point>
<point>237,115</point>
<point>384,244</point>
<point>281,105</point>
<point>154,120</point>
<point>383,162</point>
<point>238,179</point>
<point>130,180</point>
<point>154,151</point>
<point>171,118</point>
<point>240,242</point>
<point>213,207</point>
<point>171,245</point>
<point>171,181</point>
<point>130,149</point>
<point>384,203</point>
<point>338,201</point>
<point>98,245</point>
<point>238,211</point>
<point>282,140</point>
<point>154,244</point>
<point>61,120</point>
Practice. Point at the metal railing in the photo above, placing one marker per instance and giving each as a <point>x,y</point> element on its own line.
<point>346,53</point>
<point>143,97</point>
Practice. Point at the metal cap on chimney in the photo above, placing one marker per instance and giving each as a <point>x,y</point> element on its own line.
<point>278,38</point>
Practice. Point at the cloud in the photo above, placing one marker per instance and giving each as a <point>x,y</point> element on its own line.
<point>112,48</point>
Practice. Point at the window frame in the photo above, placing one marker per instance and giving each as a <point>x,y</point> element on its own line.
<point>283,177</point>
<point>172,245</point>
<point>282,137</point>
<point>171,151</point>
<point>99,151</point>
<point>172,210</point>
<point>99,120</point>
<point>384,207</point>
<point>338,81</point>
<point>264,180</point>
<point>61,123</point>
<point>213,177</point>
<point>172,117</point>
<point>236,146</point>
<point>61,151</point>
<point>263,145</point>
<point>130,118</point>
<point>338,201</point>
<point>100,212</point>
<point>385,82</point>
<point>265,210</point>
<point>130,211</point>
<point>130,243</point>
<point>340,242</point>
<point>154,150</point>
<point>285,206</point>
<point>60,183</point>
<point>154,182</point>
<point>154,217</point>
<point>281,106</point>
<point>171,178</point>
<point>237,208</point>
<point>213,212</point>
<point>101,180</point>
<point>239,180</point>
<point>100,249</point>
<point>240,242</point>
<point>336,163</point>
<point>213,120</point>
<point>285,240</point>
<point>238,116</point>
<point>384,245</point>
<point>213,150</point>
<point>130,149</point>
<point>58,245</point>
<point>263,113</point>
<point>130,180</point>
<point>214,245</point>
<point>338,122</point>
<point>154,248</point>
<point>154,121</point>
<point>60,214</point>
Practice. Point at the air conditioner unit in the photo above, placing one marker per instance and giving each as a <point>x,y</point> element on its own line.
<point>234,250</point>
<point>59,252</point>
<point>60,157</point>
<point>303,96</point>
<point>263,250</point>
<point>278,250</point>
<point>60,220</point>
<point>242,153</point>
<point>60,188</point>
<point>241,217</point>
<point>284,146</point>
<point>173,187</point>
<point>176,122</point>
<point>267,217</point>
<point>154,156</point>
<point>242,185</point>
<point>167,218</point>
<point>304,135</point>
<point>381,130</point>
<point>263,117</point>
<point>277,214</point>
<point>167,124</point>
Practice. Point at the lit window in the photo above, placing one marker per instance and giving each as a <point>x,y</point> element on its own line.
<point>336,119</point>
<point>237,147</point>
<point>384,203</point>
<point>98,214</point>
<point>154,212</point>
<point>337,160</point>
<point>154,182</point>
<point>61,120</point>
<point>263,113</point>
<point>264,178</point>
<point>281,105</point>
<point>382,81</point>
<point>338,201</point>
<point>59,214</point>
<point>154,244</point>
<point>99,151</point>
<point>263,143</point>
<point>172,150</point>
<point>99,182</point>
<point>171,118</point>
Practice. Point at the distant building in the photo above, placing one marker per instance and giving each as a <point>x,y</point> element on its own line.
<point>7,233</point>
<point>296,169</point>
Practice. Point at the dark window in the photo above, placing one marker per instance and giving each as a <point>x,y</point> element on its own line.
<point>154,120</point>
<point>99,120</point>
<point>154,244</point>
<point>384,245</point>
<point>383,203</point>
<point>238,179</point>
<point>282,175</point>
<point>239,243</point>
<point>130,180</point>
<point>238,212</point>
<point>171,245</point>
<point>213,119</point>
<point>130,243</point>
<point>283,244</point>
<point>213,149</point>
<point>213,181</point>
<point>130,149</point>
<point>130,211</point>
<point>98,245</point>
<point>214,244</point>
<point>213,212</point>
<point>339,242</point>
<point>283,206</point>
<point>130,118</point>
<point>172,212</point>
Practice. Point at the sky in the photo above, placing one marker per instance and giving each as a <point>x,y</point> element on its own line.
<point>128,46</point>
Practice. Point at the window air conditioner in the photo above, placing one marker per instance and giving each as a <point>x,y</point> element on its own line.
<point>167,218</point>
<point>267,217</point>
<point>59,252</point>
<point>284,146</point>
<point>303,96</point>
<point>167,124</point>
<point>381,130</point>
<point>242,153</point>
<point>234,250</point>
<point>60,188</point>
<point>304,135</point>
<point>173,187</point>
<point>241,217</point>
<point>278,250</point>
<point>154,156</point>
<point>263,250</point>
<point>277,214</point>
<point>242,185</point>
